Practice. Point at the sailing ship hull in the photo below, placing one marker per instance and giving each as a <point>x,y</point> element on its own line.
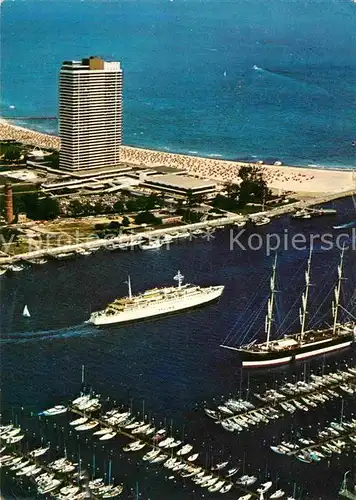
<point>254,359</point>
<point>156,310</point>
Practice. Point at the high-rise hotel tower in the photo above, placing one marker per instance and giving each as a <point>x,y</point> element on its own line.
<point>90,113</point>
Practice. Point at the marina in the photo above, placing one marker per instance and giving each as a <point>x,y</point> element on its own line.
<point>239,415</point>
<point>178,457</point>
<point>337,438</point>
<point>59,479</point>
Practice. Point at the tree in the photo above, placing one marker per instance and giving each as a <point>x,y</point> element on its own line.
<point>153,201</point>
<point>12,154</point>
<point>147,218</point>
<point>253,186</point>
<point>232,190</point>
<point>119,206</point>
<point>53,159</point>
<point>246,172</point>
<point>194,199</point>
<point>48,208</point>
<point>114,225</point>
<point>225,203</point>
<point>190,216</point>
<point>75,208</point>
<point>37,208</point>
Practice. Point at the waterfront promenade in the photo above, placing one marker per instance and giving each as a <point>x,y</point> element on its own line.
<point>303,181</point>
<point>151,234</point>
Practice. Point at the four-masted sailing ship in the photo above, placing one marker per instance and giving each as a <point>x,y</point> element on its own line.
<point>306,343</point>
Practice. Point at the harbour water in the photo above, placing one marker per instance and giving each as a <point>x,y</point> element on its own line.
<point>172,366</point>
<point>269,79</point>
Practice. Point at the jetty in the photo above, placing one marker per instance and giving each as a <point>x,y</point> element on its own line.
<point>286,399</point>
<point>164,449</point>
<point>57,474</point>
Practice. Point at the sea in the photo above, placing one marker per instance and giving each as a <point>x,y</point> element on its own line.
<point>237,79</point>
<point>170,369</point>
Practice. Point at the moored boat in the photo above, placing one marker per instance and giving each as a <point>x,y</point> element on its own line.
<point>56,410</point>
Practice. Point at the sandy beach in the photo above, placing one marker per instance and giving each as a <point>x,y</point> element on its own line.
<point>304,181</point>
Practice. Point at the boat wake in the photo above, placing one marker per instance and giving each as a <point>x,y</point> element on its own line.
<point>72,331</point>
<point>297,81</point>
<point>346,226</point>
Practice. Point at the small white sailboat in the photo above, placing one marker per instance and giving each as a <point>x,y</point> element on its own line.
<point>26,312</point>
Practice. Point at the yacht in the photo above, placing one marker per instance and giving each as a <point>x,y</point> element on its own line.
<point>56,410</point>
<point>264,487</point>
<point>277,494</point>
<point>151,245</point>
<point>17,268</point>
<point>303,213</point>
<point>261,221</point>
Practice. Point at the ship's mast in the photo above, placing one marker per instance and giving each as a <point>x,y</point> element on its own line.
<point>179,277</point>
<point>270,303</point>
<point>129,286</point>
<point>305,296</point>
<point>337,291</point>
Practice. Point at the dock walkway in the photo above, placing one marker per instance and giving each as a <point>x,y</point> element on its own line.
<point>170,452</point>
<point>288,398</point>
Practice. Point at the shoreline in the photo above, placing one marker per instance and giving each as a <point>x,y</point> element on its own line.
<point>303,181</point>
<point>132,241</point>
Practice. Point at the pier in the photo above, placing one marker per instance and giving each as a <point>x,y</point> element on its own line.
<point>45,468</point>
<point>345,493</point>
<point>219,478</point>
<point>327,387</point>
<point>189,467</point>
<point>326,440</point>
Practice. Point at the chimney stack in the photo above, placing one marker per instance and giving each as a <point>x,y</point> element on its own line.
<point>9,210</point>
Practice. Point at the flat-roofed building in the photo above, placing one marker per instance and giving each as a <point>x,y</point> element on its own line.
<point>90,113</point>
<point>180,184</point>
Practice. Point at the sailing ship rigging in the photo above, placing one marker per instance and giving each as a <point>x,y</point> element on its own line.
<point>305,343</point>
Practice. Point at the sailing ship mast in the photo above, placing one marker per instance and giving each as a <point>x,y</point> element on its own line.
<point>337,291</point>
<point>305,296</point>
<point>270,303</point>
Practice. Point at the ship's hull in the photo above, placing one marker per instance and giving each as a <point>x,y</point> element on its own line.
<point>253,359</point>
<point>157,310</point>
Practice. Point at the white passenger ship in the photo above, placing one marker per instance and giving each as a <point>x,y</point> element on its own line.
<point>155,302</point>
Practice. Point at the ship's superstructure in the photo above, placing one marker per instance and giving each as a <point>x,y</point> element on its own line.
<point>155,302</point>
<point>304,344</point>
